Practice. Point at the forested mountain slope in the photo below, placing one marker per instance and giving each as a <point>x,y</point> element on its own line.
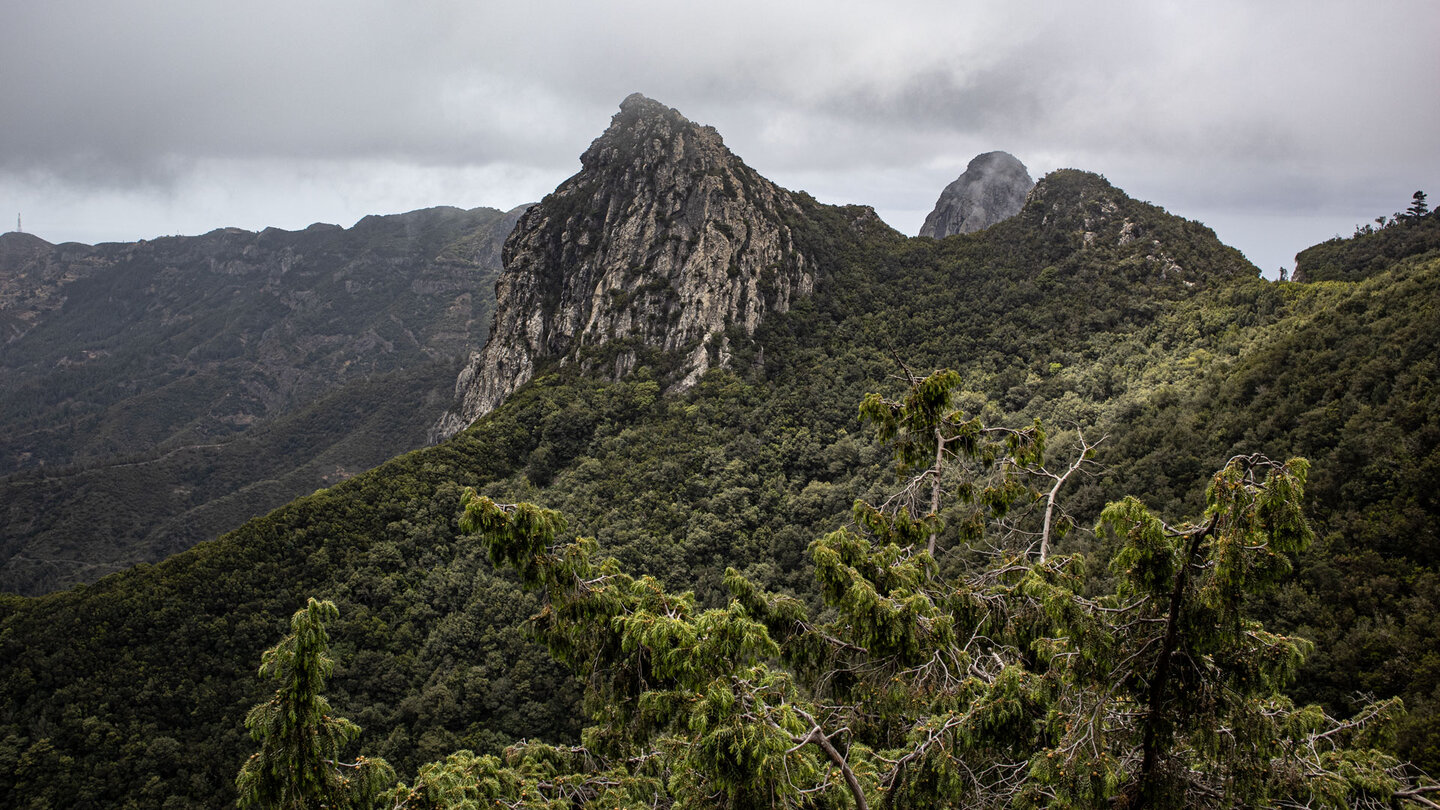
<point>1372,250</point>
<point>160,393</point>
<point>1089,310</point>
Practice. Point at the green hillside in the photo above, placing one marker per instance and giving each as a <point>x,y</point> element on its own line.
<point>1089,311</point>
<point>161,393</point>
<point>1371,250</point>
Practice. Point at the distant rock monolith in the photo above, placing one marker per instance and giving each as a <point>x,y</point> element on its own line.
<point>992,189</point>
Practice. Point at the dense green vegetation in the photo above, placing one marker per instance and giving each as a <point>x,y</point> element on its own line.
<point>73,523</point>
<point>1090,311</point>
<point>1372,250</point>
<point>1004,687</point>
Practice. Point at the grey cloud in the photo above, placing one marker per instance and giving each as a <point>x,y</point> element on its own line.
<point>1230,104</point>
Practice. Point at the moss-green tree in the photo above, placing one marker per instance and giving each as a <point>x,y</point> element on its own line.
<point>1171,696</point>
<point>929,436</point>
<point>299,763</point>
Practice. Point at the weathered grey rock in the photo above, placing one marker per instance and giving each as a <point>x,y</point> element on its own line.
<point>992,189</point>
<point>663,240</point>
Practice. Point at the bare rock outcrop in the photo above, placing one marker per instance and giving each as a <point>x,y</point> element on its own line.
<point>992,189</point>
<point>663,241</point>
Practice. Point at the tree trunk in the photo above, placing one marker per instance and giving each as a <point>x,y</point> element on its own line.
<point>1155,719</point>
<point>935,484</point>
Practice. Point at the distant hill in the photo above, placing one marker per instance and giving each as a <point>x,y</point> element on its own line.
<point>1088,309</point>
<point>162,392</point>
<point>1370,251</point>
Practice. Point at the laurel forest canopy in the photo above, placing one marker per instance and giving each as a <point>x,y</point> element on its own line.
<point>1019,679</point>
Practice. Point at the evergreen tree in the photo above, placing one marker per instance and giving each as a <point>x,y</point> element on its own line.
<point>298,765</point>
<point>1007,686</point>
<point>1418,207</point>
<point>929,436</point>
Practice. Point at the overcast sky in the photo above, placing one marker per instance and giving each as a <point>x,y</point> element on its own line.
<point>1279,124</point>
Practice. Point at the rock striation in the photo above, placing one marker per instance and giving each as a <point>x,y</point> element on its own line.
<point>992,189</point>
<point>663,241</point>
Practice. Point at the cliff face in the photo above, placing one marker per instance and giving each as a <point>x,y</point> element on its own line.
<point>992,189</point>
<point>663,240</point>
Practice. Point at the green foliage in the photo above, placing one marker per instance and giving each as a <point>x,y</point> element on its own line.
<point>299,762</point>
<point>1185,590</point>
<point>162,393</point>
<point>1370,252</point>
<point>73,524</point>
<point>654,666</point>
<point>133,690</point>
<point>1006,687</point>
<point>928,435</point>
<point>1345,374</point>
<point>532,775</point>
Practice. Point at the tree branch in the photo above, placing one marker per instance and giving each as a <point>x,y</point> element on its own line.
<point>1151,743</point>
<point>818,737</point>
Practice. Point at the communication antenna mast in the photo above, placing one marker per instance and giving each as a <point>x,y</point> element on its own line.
<point>18,229</point>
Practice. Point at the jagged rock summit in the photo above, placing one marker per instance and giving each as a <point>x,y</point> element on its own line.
<point>661,242</point>
<point>992,189</point>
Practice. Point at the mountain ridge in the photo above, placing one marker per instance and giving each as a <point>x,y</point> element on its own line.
<point>177,351</point>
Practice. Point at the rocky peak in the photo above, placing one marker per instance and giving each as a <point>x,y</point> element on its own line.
<point>992,189</point>
<point>1075,217</point>
<point>662,241</point>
